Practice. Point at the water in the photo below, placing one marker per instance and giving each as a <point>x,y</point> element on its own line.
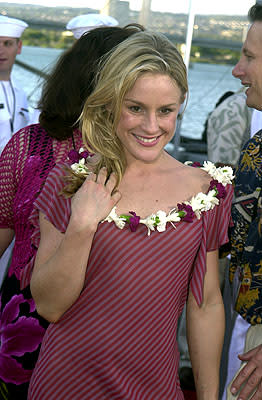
<point>40,58</point>
<point>207,82</point>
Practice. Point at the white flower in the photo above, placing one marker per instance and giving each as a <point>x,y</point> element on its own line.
<point>224,175</point>
<point>149,222</point>
<point>211,200</point>
<point>209,167</point>
<point>198,203</point>
<point>113,217</point>
<point>80,167</point>
<point>120,223</point>
<point>173,216</point>
<point>161,225</point>
<point>188,162</point>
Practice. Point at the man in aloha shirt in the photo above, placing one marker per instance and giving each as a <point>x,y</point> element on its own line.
<point>246,236</point>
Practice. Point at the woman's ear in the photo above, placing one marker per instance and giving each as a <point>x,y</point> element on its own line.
<point>108,108</point>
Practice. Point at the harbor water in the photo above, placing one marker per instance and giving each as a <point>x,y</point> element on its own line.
<point>207,82</point>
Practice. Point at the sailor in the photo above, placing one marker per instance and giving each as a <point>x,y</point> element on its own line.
<point>14,113</point>
<point>84,23</point>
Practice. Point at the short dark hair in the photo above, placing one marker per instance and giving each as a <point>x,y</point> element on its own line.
<point>255,13</point>
<point>72,79</point>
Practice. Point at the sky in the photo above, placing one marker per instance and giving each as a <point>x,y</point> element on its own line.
<point>230,7</point>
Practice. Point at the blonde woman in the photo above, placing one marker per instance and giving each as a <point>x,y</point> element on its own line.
<point>127,240</point>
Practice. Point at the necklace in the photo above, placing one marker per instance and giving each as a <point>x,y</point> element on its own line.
<point>187,211</point>
<point>222,176</point>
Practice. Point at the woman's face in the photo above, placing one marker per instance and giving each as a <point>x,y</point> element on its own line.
<point>148,117</point>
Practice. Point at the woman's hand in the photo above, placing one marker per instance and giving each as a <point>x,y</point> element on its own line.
<point>94,200</point>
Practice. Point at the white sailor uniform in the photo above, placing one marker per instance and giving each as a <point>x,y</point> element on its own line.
<point>14,113</point>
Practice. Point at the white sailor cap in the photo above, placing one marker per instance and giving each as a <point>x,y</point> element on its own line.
<point>84,23</point>
<point>11,27</point>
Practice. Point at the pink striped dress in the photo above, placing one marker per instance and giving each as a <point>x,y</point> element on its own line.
<point>118,341</point>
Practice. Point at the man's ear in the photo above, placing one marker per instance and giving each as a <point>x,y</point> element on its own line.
<point>19,47</point>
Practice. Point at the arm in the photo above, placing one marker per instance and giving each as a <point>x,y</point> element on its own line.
<point>61,262</point>
<point>6,236</point>
<point>205,332</point>
<point>11,169</point>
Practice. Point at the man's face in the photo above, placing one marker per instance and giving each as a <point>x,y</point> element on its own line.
<point>249,67</point>
<point>9,48</point>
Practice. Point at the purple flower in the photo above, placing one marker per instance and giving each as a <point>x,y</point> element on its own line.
<point>196,164</point>
<point>188,210</point>
<point>18,335</point>
<point>84,154</point>
<point>133,221</point>
<point>73,156</point>
<point>219,187</point>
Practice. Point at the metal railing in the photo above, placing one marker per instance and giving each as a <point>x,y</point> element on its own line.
<point>31,69</point>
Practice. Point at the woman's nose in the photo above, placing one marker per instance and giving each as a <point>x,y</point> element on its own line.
<point>151,124</point>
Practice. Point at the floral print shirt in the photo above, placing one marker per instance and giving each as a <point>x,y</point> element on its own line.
<point>246,235</point>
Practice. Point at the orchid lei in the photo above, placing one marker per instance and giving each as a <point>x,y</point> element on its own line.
<point>182,212</point>
<point>78,160</point>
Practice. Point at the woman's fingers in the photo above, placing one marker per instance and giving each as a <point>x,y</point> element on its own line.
<point>108,181</point>
<point>116,196</point>
<point>102,176</point>
<point>102,183</point>
<point>111,182</point>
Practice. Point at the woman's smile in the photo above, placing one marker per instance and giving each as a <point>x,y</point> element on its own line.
<point>147,141</point>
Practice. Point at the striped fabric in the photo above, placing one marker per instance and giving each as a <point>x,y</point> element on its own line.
<point>118,341</point>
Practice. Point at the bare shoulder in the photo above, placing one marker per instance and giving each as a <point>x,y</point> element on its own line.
<point>194,177</point>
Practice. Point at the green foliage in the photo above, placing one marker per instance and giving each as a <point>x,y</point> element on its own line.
<point>214,56</point>
<point>46,38</point>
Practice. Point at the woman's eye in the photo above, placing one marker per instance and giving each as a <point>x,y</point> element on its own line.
<point>135,108</point>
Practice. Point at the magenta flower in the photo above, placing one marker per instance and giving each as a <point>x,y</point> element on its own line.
<point>219,187</point>
<point>84,154</point>
<point>18,335</point>
<point>133,221</point>
<point>73,156</point>
<point>188,210</point>
<point>196,164</point>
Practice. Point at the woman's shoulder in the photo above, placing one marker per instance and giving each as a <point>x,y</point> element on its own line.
<point>207,177</point>
<point>30,130</point>
<point>24,142</point>
<point>194,175</point>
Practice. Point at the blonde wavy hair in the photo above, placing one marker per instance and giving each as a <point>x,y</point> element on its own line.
<point>143,52</point>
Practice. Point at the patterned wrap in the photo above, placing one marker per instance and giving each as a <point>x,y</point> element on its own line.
<point>25,163</point>
<point>246,256</point>
<point>228,129</point>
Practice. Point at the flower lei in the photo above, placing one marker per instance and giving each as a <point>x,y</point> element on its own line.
<point>185,211</point>
<point>182,212</point>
